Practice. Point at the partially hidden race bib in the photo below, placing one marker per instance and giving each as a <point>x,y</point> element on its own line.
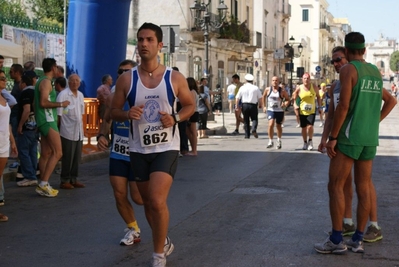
<point>152,134</point>
<point>120,145</point>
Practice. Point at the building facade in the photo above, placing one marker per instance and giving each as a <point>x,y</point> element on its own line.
<point>379,53</point>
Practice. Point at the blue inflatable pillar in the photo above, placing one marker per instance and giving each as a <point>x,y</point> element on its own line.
<point>96,40</point>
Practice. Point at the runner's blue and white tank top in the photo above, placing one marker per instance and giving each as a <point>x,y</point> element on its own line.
<point>120,139</point>
<point>274,100</point>
<point>147,135</point>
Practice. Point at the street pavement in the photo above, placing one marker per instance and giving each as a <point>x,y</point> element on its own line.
<point>235,204</point>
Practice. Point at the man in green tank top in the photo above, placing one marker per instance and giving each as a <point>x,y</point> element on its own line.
<point>353,141</point>
<point>46,120</point>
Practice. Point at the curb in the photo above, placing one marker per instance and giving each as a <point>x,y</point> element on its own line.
<point>10,176</point>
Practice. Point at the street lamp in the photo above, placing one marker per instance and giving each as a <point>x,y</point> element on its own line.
<point>289,47</point>
<point>203,20</point>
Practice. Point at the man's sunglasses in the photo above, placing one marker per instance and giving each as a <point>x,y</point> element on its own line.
<point>338,59</point>
<point>3,78</point>
<point>120,71</point>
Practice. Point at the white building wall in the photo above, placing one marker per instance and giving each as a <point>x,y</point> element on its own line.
<point>379,53</point>
<point>320,38</point>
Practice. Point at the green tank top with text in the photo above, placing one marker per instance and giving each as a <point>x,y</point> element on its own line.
<point>44,115</point>
<point>361,125</point>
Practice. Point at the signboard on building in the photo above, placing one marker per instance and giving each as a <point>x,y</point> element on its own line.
<point>279,53</point>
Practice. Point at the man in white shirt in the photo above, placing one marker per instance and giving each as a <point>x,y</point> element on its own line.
<point>71,132</point>
<point>251,97</point>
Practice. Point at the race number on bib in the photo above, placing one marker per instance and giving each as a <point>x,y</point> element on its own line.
<point>120,145</point>
<point>274,104</point>
<point>308,107</point>
<point>152,134</point>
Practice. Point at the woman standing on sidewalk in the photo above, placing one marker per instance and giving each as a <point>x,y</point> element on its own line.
<point>192,122</point>
<point>6,139</point>
<point>204,108</point>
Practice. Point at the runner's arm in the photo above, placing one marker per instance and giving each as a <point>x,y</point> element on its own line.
<point>45,89</point>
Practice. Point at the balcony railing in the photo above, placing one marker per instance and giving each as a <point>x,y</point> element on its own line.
<point>233,29</point>
<point>286,10</point>
<point>270,43</point>
<point>196,24</point>
<point>325,26</point>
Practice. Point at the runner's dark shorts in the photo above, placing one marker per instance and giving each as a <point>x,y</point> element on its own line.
<point>145,164</point>
<point>122,168</point>
<point>278,116</point>
<point>307,120</point>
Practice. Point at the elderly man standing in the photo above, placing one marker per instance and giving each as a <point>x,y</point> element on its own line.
<point>71,131</point>
<point>251,97</point>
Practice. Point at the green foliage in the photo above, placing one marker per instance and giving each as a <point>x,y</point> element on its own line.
<point>394,62</point>
<point>234,29</point>
<point>12,8</point>
<point>48,9</point>
<point>132,41</point>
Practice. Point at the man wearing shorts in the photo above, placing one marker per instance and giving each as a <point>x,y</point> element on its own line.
<point>353,141</point>
<point>46,120</point>
<point>273,97</point>
<point>231,92</point>
<point>151,90</point>
<point>120,171</point>
<point>308,93</point>
<point>237,107</point>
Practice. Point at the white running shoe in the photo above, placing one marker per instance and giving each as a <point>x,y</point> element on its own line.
<point>305,146</point>
<point>27,182</point>
<point>278,146</point>
<point>130,237</point>
<point>270,144</point>
<point>158,261</point>
<point>310,145</point>
<point>169,247</point>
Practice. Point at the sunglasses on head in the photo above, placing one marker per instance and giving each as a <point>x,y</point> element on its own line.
<point>120,71</point>
<point>3,78</point>
<point>338,59</point>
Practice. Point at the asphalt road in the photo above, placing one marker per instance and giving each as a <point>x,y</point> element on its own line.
<point>236,204</point>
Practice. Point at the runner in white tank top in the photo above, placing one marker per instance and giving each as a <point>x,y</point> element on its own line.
<point>151,90</point>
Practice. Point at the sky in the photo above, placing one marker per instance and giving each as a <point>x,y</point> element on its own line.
<point>370,17</point>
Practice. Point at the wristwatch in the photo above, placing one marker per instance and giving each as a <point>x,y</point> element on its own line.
<point>330,138</point>
<point>176,117</point>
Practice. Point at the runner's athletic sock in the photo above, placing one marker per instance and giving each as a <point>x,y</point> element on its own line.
<point>133,225</point>
<point>336,236</point>
<point>375,224</point>
<point>348,221</point>
<point>357,236</point>
<point>43,183</point>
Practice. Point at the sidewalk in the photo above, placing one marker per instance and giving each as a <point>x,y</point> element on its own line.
<point>218,125</point>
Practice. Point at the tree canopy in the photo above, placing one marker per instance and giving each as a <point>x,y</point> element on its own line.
<point>48,9</point>
<point>394,62</point>
<point>12,8</point>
